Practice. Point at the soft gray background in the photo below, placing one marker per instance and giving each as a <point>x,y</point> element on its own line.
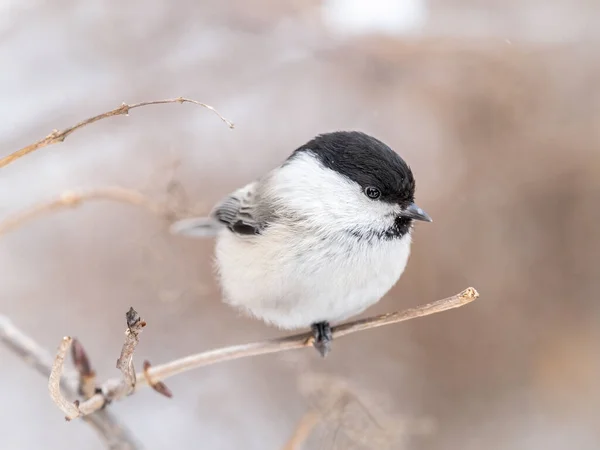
<point>496,106</point>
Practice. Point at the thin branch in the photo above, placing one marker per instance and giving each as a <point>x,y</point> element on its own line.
<point>73,199</point>
<point>103,422</point>
<point>164,371</point>
<point>302,431</point>
<point>87,376</point>
<point>25,347</point>
<point>358,415</point>
<point>125,362</point>
<point>112,390</point>
<point>58,136</point>
<point>159,386</point>
<point>154,374</point>
<point>69,408</point>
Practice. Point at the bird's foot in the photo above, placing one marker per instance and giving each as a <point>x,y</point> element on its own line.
<point>322,337</point>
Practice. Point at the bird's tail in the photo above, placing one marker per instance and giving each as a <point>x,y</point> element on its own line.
<point>197,227</point>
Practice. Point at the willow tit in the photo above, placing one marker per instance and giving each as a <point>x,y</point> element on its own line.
<point>318,239</point>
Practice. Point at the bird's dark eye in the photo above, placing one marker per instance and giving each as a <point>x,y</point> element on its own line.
<point>372,192</point>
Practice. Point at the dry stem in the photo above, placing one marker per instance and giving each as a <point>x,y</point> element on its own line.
<point>112,390</point>
<point>125,362</point>
<point>153,375</point>
<point>302,431</point>
<point>59,136</point>
<point>73,199</point>
<point>65,405</point>
<point>87,377</point>
<point>103,422</point>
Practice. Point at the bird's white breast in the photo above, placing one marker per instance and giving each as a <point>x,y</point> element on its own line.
<point>292,281</point>
<point>308,265</point>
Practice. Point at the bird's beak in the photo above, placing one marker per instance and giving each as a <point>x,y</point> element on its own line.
<point>416,213</point>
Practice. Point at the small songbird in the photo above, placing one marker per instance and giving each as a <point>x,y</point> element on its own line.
<point>318,239</point>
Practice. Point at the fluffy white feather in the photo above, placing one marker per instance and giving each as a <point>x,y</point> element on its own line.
<point>305,267</point>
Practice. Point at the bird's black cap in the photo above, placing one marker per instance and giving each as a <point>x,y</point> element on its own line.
<point>365,160</point>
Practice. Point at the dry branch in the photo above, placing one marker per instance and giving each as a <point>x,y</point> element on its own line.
<point>87,377</point>
<point>125,361</point>
<point>352,415</point>
<point>73,199</point>
<point>103,422</point>
<point>302,431</point>
<point>58,136</point>
<point>114,389</point>
<point>63,403</point>
<point>152,375</point>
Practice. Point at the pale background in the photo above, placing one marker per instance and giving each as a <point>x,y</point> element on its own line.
<point>495,104</point>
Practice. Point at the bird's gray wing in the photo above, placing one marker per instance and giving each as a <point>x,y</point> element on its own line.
<point>237,211</point>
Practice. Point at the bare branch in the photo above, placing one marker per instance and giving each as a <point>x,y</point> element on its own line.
<point>158,386</point>
<point>164,371</point>
<point>153,375</point>
<point>73,199</point>
<point>112,390</point>
<point>69,408</point>
<point>87,377</point>
<point>356,415</point>
<point>59,136</point>
<point>103,422</point>
<point>302,431</point>
<point>125,361</point>
<point>25,347</point>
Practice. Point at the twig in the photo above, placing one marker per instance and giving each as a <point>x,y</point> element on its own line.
<point>357,415</point>
<point>125,361</point>
<point>103,422</point>
<point>73,199</point>
<point>58,136</point>
<point>112,390</point>
<point>164,371</point>
<point>302,431</point>
<point>158,386</point>
<point>157,373</point>
<point>65,405</point>
<point>87,377</point>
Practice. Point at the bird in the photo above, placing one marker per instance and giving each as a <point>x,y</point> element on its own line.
<point>319,238</point>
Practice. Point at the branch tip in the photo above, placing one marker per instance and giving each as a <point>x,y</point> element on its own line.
<point>80,359</point>
<point>57,136</point>
<point>87,377</point>
<point>133,319</point>
<point>469,294</point>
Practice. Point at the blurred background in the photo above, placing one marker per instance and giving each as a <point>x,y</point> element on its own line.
<point>496,106</point>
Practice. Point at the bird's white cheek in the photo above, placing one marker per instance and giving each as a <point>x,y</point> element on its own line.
<point>306,188</point>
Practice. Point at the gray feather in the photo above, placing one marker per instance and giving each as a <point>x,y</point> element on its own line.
<point>196,227</point>
<point>238,212</point>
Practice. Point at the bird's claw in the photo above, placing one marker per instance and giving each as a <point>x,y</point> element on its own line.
<point>322,337</point>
